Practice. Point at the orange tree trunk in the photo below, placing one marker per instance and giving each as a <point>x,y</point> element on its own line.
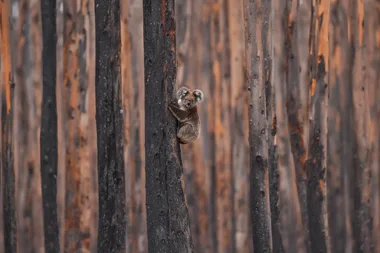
<point>27,126</point>
<point>6,132</point>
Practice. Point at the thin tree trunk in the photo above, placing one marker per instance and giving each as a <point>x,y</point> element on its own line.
<point>6,132</point>
<point>298,79</point>
<point>258,69</point>
<point>242,233</point>
<point>362,169</point>
<point>109,122</point>
<point>167,215</point>
<point>27,126</point>
<point>49,127</point>
<point>317,155</point>
<point>290,219</point>
<point>132,62</point>
<point>76,124</point>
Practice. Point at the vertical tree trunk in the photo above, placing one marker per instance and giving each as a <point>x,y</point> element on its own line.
<point>27,126</point>
<point>109,122</point>
<point>316,164</point>
<point>6,132</point>
<point>167,215</point>
<point>49,127</point>
<point>292,236</point>
<point>76,123</point>
<point>258,69</point>
<point>220,115</point>
<point>241,232</point>
<point>336,172</point>
<point>298,80</point>
<point>372,42</point>
<point>132,62</point>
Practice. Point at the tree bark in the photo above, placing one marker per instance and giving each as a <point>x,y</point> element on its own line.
<point>167,215</point>
<point>317,156</point>
<point>6,126</point>
<point>76,124</point>
<point>26,127</point>
<point>132,75</point>
<point>258,69</point>
<point>109,122</point>
<point>48,138</point>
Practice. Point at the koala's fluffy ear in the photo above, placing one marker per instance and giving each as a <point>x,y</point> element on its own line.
<point>198,95</point>
<point>182,92</point>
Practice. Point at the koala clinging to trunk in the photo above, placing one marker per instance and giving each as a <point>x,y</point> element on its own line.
<point>187,114</point>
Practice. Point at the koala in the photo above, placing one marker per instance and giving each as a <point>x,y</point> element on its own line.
<point>185,111</point>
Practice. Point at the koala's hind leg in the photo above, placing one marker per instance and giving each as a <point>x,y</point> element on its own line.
<point>186,134</point>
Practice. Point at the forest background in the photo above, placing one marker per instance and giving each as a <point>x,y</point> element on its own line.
<point>288,158</point>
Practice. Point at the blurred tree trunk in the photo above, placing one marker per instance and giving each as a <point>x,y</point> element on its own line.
<point>49,127</point>
<point>132,62</point>
<point>6,132</point>
<point>316,163</point>
<point>362,169</point>
<point>76,124</point>
<point>167,215</point>
<point>27,125</point>
<point>258,69</point>
<point>372,42</point>
<point>339,233</point>
<point>292,236</point>
<point>219,116</point>
<point>298,79</point>
<point>241,231</point>
<point>110,126</point>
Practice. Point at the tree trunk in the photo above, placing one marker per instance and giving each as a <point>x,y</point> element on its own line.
<point>258,74</point>
<point>27,126</point>
<point>316,163</point>
<point>49,127</point>
<point>76,124</point>
<point>167,215</point>
<point>109,122</point>
<point>6,126</point>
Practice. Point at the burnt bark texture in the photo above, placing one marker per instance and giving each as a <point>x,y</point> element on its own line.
<point>258,75</point>
<point>109,122</point>
<point>317,145</point>
<point>167,214</point>
<point>48,138</point>
<point>27,125</point>
<point>6,125</point>
<point>76,125</point>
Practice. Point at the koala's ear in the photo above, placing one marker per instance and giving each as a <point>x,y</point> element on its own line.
<point>198,95</point>
<point>182,92</point>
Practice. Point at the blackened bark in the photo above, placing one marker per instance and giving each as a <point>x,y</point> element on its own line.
<point>258,69</point>
<point>110,129</point>
<point>48,138</point>
<point>8,173</point>
<point>6,126</point>
<point>317,156</point>
<point>167,215</point>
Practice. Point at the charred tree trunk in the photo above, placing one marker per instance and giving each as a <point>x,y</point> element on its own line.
<point>258,74</point>
<point>76,124</point>
<point>109,122</point>
<point>167,215</point>
<point>27,126</point>
<point>6,131</point>
<point>49,127</point>
<point>317,155</point>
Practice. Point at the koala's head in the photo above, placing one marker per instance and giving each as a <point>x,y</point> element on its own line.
<point>188,99</point>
